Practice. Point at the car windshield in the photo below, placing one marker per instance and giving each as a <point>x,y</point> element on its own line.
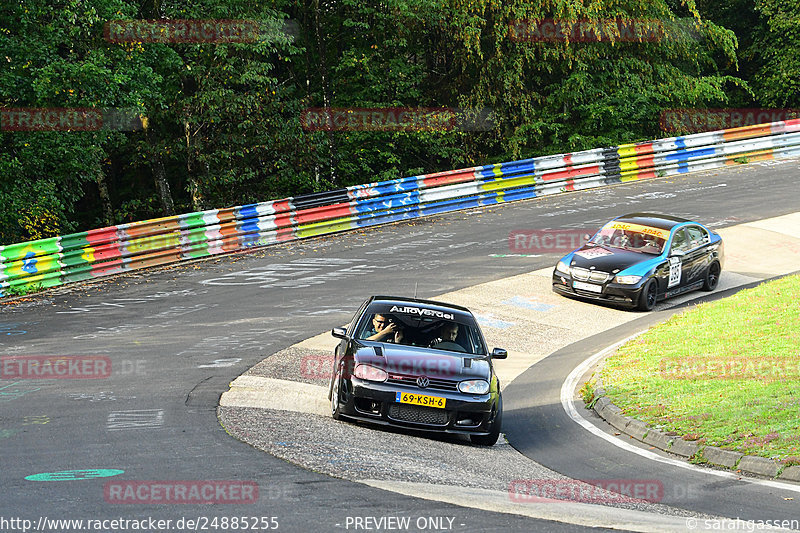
<point>631,236</point>
<point>416,325</point>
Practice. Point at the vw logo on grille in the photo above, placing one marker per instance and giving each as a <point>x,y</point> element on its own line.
<point>423,382</point>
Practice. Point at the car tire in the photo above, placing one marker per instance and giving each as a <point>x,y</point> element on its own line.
<point>648,296</point>
<point>712,277</point>
<point>335,395</point>
<point>494,433</point>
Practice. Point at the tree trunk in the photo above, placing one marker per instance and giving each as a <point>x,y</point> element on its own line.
<point>160,177</point>
<point>162,185</point>
<point>322,49</point>
<point>105,199</point>
<point>194,185</point>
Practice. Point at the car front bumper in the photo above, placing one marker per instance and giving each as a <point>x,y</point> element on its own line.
<point>377,403</point>
<point>616,293</point>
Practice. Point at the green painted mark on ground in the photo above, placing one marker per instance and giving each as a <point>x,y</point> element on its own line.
<point>74,475</point>
<point>6,433</point>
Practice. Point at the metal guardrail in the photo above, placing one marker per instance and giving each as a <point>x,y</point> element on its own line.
<point>101,252</point>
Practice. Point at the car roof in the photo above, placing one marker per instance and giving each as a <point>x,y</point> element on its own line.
<point>430,304</point>
<point>654,220</point>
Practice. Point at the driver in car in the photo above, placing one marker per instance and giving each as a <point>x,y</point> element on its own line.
<point>447,333</point>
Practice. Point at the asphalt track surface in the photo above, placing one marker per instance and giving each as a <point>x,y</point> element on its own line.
<point>177,336</point>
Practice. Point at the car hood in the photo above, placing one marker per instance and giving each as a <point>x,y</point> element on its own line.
<point>417,361</point>
<point>607,259</point>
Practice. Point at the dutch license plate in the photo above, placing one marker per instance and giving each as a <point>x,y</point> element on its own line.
<point>587,286</point>
<point>420,399</point>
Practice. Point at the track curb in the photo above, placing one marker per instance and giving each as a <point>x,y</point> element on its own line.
<point>690,451</point>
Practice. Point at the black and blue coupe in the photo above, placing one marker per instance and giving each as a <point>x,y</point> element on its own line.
<point>639,259</point>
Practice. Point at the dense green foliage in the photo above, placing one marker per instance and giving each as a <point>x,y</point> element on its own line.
<point>224,119</point>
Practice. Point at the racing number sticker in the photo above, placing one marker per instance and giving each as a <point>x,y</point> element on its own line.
<point>674,271</point>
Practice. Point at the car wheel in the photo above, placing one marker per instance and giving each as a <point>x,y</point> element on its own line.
<point>494,433</point>
<point>647,298</point>
<point>336,407</point>
<point>712,277</point>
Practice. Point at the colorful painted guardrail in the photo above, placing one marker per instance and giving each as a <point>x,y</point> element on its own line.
<point>101,252</point>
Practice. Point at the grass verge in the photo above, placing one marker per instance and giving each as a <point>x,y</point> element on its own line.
<point>20,290</point>
<point>725,373</point>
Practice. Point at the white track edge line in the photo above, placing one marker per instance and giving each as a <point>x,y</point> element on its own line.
<point>567,390</point>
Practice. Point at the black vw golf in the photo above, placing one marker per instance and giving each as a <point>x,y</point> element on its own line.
<point>417,364</point>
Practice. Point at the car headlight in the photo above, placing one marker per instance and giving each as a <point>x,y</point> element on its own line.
<point>627,280</point>
<point>474,386</point>
<point>370,373</point>
<point>562,267</point>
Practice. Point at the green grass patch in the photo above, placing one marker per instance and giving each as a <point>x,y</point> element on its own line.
<point>724,374</point>
<point>22,290</point>
<point>587,393</point>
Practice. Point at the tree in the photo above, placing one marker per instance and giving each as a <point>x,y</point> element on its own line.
<point>565,94</point>
<point>224,120</point>
<point>55,57</point>
<point>777,45</point>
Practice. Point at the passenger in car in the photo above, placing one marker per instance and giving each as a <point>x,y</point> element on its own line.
<point>636,239</point>
<point>653,244</point>
<point>385,328</point>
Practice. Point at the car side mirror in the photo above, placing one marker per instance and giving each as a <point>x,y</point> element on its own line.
<point>499,353</point>
<point>339,333</point>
